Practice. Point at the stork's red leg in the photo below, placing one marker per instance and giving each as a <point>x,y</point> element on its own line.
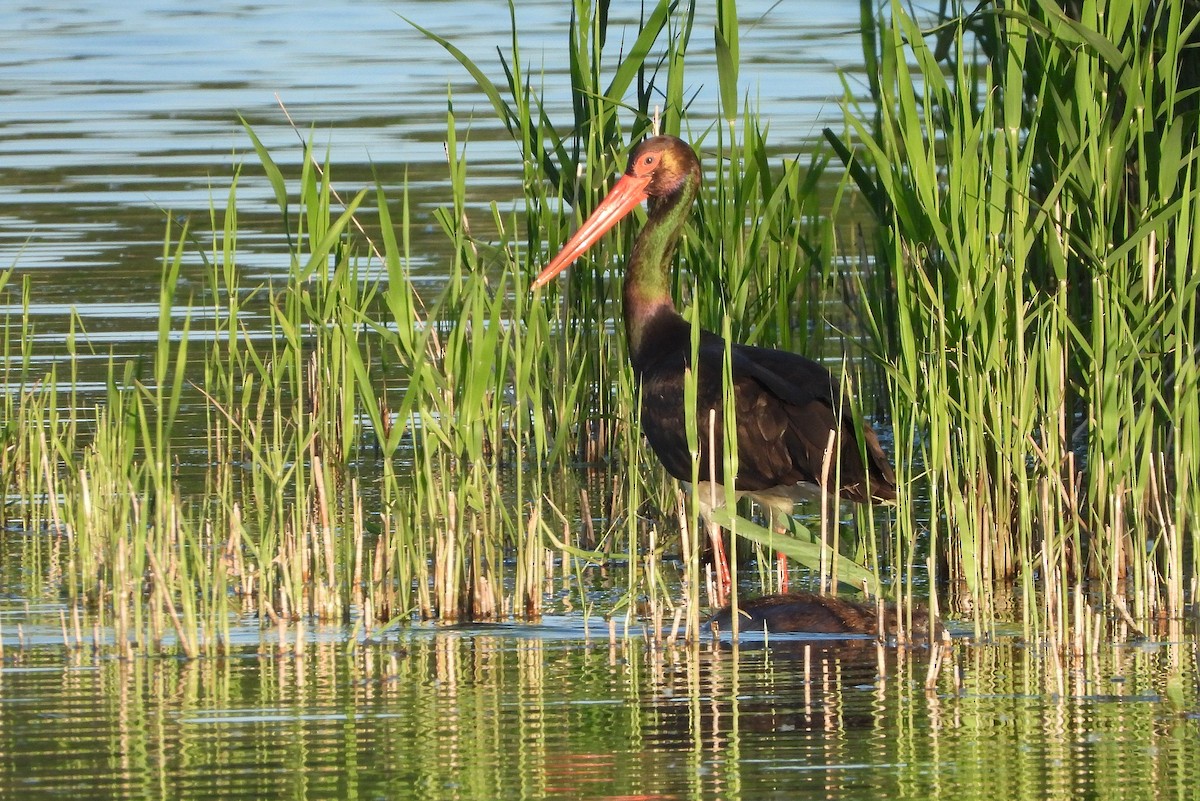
<point>724,582</point>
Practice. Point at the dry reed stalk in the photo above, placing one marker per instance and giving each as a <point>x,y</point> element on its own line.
<point>827,574</point>
<point>936,657</point>
<point>483,597</point>
<point>679,612</point>
<point>585,512</point>
<point>725,582</point>
<point>689,553</point>
<point>156,576</point>
<point>531,591</point>
<point>379,589</point>
<point>358,526</point>
<point>324,584</point>
<point>445,554</point>
<point>52,492</point>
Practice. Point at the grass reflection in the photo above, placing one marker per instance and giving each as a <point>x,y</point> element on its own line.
<point>464,713</point>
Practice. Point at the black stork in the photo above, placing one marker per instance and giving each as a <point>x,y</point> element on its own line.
<point>787,407</point>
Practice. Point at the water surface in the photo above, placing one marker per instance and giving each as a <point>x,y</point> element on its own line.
<point>115,115</point>
<point>549,712</point>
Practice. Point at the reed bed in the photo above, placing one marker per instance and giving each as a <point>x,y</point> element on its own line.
<point>372,456</point>
<point>1031,169</point>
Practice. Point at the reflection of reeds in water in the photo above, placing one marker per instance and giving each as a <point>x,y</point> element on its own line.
<point>373,455</point>
<point>471,714</point>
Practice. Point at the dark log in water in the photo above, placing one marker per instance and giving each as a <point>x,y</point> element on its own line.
<point>819,614</point>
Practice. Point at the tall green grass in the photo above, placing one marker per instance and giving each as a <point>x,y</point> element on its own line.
<point>1032,172</point>
<point>372,454</point>
<point>757,245</point>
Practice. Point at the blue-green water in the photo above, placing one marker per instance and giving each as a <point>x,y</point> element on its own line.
<point>115,114</point>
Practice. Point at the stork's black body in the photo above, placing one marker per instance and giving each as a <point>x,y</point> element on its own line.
<point>788,408</point>
<point>785,408</point>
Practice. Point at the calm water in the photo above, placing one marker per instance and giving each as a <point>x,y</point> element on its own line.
<point>113,115</point>
<point>544,712</point>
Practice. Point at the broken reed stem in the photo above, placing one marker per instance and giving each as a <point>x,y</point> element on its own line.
<point>156,575</point>
<point>824,574</point>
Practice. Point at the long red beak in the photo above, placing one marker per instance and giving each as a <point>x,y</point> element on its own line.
<point>626,195</point>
